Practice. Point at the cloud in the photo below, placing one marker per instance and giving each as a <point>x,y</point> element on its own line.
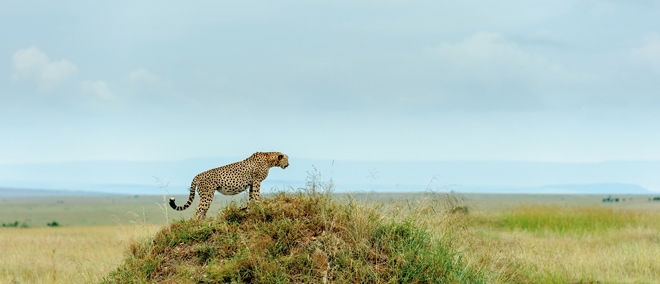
<point>540,40</point>
<point>31,63</point>
<point>649,53</point>
<point>488,55</point>
<point>486,71</point>
<point>98,89</point>
<point>141,76</point>
<point>482,46</point>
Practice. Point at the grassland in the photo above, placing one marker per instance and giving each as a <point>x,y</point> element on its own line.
<point>505,238</point>
<point>64,254</point>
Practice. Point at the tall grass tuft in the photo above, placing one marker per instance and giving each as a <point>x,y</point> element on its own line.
<point>304,236</point>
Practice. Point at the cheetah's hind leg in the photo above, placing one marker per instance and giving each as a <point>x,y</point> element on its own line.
<point>205,200</point>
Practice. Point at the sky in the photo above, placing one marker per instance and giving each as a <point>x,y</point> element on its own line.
<point>561,81</point>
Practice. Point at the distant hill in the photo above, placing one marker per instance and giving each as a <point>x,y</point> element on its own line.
<point>109,189</point>
<point>596,188</point>
<point>45,192</point>
<point>604,188</point>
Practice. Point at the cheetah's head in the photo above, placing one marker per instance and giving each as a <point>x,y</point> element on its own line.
<point>282,161</point>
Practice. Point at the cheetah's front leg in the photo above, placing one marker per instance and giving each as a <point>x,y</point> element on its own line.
<point>254,191</point>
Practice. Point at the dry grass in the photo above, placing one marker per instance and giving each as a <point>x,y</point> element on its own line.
<point>555,245</point>
<point>607,259</point>
<point>64,254</point>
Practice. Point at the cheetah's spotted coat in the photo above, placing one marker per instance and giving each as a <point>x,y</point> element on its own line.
<point>232,179</point>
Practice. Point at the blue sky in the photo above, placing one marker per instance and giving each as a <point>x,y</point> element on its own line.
<point>563,81</point>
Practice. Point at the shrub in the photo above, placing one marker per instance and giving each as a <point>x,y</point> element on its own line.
<point>15,224</point>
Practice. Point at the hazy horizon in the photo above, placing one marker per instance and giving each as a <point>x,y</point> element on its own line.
<point>140,177</point>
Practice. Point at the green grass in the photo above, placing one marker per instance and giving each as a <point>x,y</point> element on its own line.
<point>300,237</point>
<point>576,221</point>
<point>36,211</point>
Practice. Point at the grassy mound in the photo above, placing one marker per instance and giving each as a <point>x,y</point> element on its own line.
<point>299,237</point>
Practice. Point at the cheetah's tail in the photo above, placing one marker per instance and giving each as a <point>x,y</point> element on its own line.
<point>193,185</point>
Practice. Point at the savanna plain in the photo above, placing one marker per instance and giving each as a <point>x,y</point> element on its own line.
<point>487,238</point>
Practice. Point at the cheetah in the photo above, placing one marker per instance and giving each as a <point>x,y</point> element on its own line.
<point>232,179</point>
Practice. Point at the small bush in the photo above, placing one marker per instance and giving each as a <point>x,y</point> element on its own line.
<point>460,209</point>
<point>15,225</point>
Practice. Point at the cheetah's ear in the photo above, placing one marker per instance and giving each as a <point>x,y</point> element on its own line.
<point>280,157</point>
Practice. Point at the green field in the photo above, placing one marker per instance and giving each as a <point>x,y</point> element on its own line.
<point>96,210</point>
<point>514,238</point>
<point>37,211</point>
